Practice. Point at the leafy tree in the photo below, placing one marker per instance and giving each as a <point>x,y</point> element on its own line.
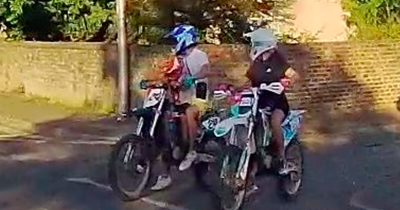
<point>93,20</point>
<point>11,16</point>
<point>80,19</point>
<point>373,19</point>
<point>232,17</point>
<point>67,20</point>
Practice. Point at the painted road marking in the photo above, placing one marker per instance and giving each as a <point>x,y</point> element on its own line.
<point>148,200</point>
<point>162,204</point>
<point>89,181</point>
<point>356,201</point>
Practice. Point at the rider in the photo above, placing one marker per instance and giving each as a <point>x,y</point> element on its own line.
<point>269,65</point>
<point>193,66</point>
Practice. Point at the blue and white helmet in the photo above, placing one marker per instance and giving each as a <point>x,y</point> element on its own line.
<point>185,36</point>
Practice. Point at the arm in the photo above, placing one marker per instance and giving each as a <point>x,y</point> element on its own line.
<point>291,76</point>
<point>205,69</point>
<point>204,72</point>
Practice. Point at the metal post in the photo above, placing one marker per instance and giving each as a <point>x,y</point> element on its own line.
<point>123,76</point>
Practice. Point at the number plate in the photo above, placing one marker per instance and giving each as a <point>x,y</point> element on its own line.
<point>210,123</point>
<point>153,97</point>
<point>155,91</point>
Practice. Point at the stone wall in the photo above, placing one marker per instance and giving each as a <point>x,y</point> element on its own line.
<point>69,73</point>
<point>344,76</point>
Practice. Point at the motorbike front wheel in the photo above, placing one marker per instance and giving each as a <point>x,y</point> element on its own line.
<point>233,188</point>
<point>232,194</point>
<point>129,167</point>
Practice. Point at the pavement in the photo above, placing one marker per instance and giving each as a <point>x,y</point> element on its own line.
<point>59,161</point>
<point>26,119</point>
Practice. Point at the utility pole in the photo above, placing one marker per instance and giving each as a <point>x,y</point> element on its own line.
<point>123,75</point>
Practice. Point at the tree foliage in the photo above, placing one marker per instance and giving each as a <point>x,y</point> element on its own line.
<point>68,20</point>
<point>80,19</point>
<point>373,19</point>
<point>230,18</point>
<point>87,20</point>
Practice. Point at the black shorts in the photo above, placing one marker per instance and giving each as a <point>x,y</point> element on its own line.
<point>271,101</point>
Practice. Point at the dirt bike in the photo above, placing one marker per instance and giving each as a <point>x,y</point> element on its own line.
<point>157,129</point>
<point>242,140</point>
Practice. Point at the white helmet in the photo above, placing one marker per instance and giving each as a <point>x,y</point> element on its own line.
<point>262,40</point>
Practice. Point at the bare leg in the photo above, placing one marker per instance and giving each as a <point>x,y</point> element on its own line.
<point>184,128</point>
<point>277,118</point>
<point>191,116</point>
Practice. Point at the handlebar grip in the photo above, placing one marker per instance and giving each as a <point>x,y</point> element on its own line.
<point>285,82</point>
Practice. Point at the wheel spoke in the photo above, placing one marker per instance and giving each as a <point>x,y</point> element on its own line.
<point>292,182</point>
<point>128,170</point>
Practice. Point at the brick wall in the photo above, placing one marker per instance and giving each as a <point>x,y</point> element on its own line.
<point>345,76</point>
<point>336,76</point>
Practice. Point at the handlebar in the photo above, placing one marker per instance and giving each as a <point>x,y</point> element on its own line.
<point>275,87</point>
<point>144,84</point>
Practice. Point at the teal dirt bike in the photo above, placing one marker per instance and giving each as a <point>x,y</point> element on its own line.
<point>247,132</point>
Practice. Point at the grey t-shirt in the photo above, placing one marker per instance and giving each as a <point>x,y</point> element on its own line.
<point>193,62</point>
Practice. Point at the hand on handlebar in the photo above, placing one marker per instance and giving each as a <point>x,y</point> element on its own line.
<point>144,84</point>
<point>225,87</point>
<point>175,84</point>
<point>188,82</point>
<point>285,82</point>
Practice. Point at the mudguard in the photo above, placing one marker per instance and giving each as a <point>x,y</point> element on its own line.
<point>291,125</point>
<point>222,128</point>
<point>153,97</point>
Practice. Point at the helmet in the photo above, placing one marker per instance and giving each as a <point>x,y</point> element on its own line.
<point>185,36</point>
<point>262,40</point>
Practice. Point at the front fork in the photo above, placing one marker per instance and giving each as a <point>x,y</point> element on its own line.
<point>130,151</point>
<point>173,128</point>
<point>244,160</point>
<point>251,144</point>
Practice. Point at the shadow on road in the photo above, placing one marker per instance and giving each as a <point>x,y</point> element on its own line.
<point>35,178</point>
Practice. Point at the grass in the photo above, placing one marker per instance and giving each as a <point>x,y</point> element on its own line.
<point>19,113</point>
<point>32,110</point>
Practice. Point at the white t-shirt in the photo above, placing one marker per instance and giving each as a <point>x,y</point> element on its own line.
<point>193,62</point>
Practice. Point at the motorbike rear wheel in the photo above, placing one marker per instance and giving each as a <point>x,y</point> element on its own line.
<point>291,183</point>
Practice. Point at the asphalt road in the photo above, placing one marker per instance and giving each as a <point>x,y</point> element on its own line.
<point>359,171</point>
